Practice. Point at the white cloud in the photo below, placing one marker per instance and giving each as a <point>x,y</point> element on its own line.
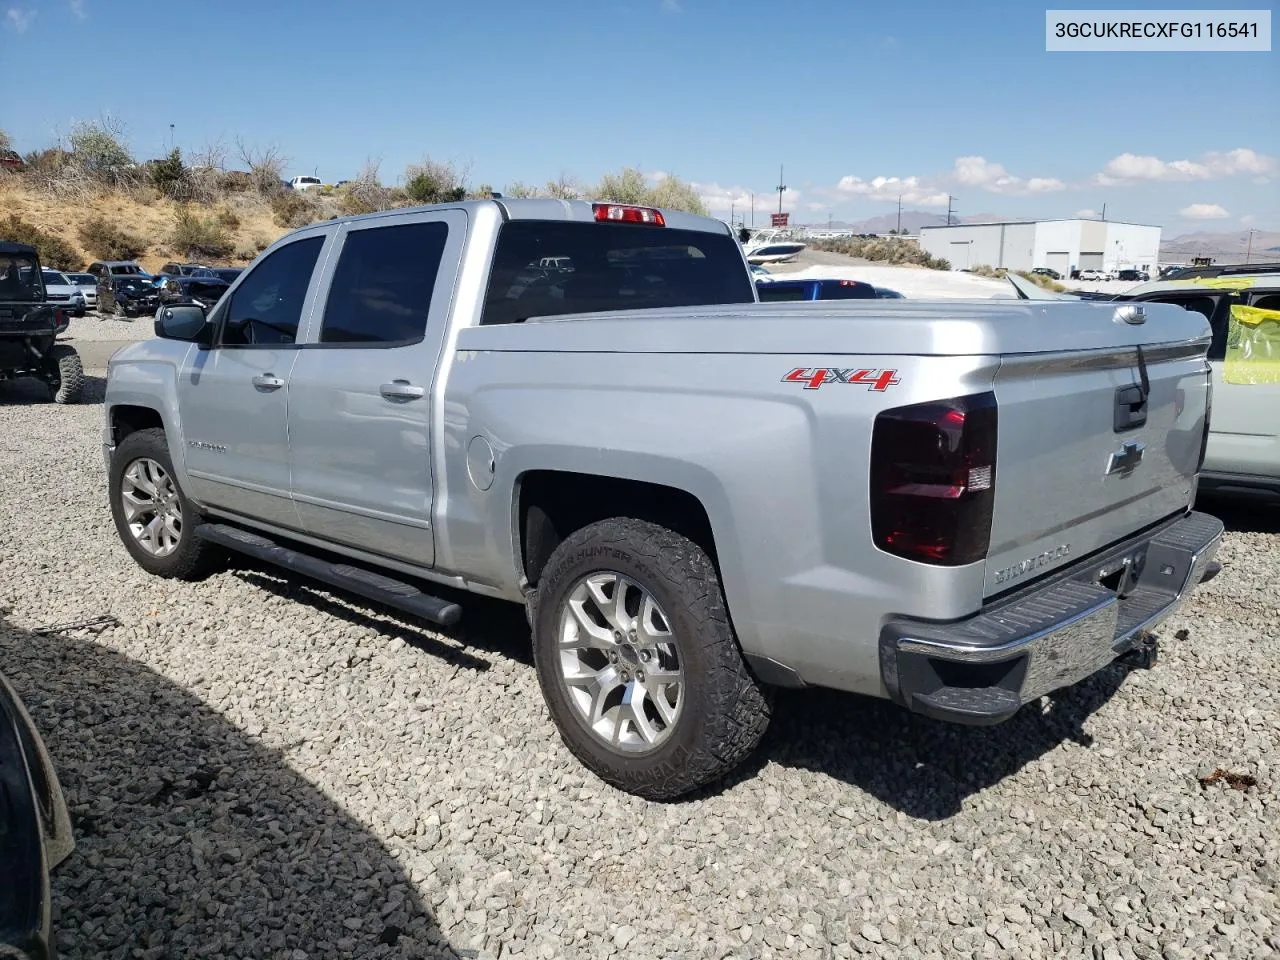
<point>719,199</point>
<point>1211,166</point>
<point>994,178</point>
<point>656,176</point>
<point>78,9</point>
<point>18,19</point>
<point>1204,211</point>
<point>1248,218</point>
<point>1087,214</point>
<point>910,189</point>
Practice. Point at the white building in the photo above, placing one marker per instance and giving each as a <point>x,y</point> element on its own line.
<point>1062,245</point>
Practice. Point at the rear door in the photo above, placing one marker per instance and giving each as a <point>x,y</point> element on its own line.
<point>360,392</point>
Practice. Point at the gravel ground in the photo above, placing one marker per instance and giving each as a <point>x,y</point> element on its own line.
<point>258,768</point>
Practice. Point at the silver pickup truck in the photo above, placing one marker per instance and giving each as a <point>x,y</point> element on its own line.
<point>582,408</point>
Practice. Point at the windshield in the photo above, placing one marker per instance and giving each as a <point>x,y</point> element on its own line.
<point>53,279</point>
<point>83,279</point>
<point>124,269</point>
<point>19,278</point>
<point>208,292</point>
<point>543,268</point>
<point>133,284</point>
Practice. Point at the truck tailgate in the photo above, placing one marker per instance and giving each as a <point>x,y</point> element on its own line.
<point>1091,450</point>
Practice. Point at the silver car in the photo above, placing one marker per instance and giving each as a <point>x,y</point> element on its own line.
<point>60,291</point>
<point>1242,456</point>
<point>88,285</point>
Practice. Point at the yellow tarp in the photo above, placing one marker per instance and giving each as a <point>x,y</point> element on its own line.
<point>1253,346</point>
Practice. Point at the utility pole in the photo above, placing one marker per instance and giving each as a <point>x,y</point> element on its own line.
<point>1104,211</point>
<point>781,187</point>
<point>753,209</point>
<point>732,206</point>
<point>171,138</point>
<point>949,199</point>
<point>1248,254</point>
<point>899,214</point>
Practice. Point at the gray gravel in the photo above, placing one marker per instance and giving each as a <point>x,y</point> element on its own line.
<point>258,768</point>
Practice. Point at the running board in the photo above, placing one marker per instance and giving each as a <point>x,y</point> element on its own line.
<point>372,586</point>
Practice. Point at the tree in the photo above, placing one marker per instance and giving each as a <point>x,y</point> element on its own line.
<point>519,191</point>
<point>674,194</point>
<point>433,181</point>
<point>628,186</point>
<point>99,150</point>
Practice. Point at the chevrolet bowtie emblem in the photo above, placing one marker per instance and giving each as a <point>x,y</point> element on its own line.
<point>1126,458</point>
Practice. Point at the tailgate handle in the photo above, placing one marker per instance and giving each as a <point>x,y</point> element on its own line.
<point>1131,408</point>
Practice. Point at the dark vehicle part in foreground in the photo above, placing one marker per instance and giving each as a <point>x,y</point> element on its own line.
<point>29,328</point>
<point>35,833</point>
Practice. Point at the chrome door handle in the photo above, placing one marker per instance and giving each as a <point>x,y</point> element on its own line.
<point>401,390</point>
<point>268,381</point>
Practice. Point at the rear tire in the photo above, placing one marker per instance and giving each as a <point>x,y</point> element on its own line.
<point>70,385</point>
<point>155,520</point>
<point>656,750</point>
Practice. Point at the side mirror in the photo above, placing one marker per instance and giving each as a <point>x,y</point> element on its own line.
<point>183,322</point>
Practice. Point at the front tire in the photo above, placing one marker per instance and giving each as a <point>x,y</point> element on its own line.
<point>155,520</point>
<point>637,661</point>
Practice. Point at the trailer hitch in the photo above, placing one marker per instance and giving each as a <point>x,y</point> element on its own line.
<point>1144,653</point>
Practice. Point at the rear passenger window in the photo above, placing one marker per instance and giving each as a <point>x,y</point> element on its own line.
<point>267,307</point>
<point>381,291</point>
<point>1266,301</point>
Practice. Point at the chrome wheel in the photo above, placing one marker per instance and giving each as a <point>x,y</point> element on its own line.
<point>152,509</point>
<point>620,662</point>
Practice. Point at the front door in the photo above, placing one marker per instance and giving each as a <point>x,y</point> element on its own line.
<point>360,391</point>
<point>233,398</point>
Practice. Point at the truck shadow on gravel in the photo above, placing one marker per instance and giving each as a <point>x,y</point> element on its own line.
<point>25,392</point>
<point>924,768</point>
<point>1243,516</point>
<point>191,839</point>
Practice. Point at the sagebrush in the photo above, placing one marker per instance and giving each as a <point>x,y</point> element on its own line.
<point>106,241</point>
<point>200,238</point>
<point>54,251</point>
<point>884,250</point>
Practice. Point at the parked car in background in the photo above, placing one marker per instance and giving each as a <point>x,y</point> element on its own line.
<point>228,274</point>
<point>11,160</point>
<point>182,269</point>
<point>414,408</point>
<point>117,268</point>
<point>306,183</point>
<point>884,293</point>
<point>205,291</point>
<point>1242,455</point>
<point>29,349</point>
<point>127,295</point>
<point>1049,272</point>
<point>61,292</point>
<point>88,285</point>
<point>1133,276</point>
<point>1091,274</point>
<point>759,271</point>
<point>35,833</point>
<point>778,291</point>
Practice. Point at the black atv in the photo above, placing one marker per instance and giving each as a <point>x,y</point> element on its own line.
<point>29,328</point>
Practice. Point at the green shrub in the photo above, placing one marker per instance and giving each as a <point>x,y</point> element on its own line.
<point>294,209</point>
<point>883,249</point>
<point>54,251</point>
<point>169,176</point>
<point>106,241</point>
<point>197,237</point>
<point>235,181</point>
<point>226,217</point>
<point>434,182</point>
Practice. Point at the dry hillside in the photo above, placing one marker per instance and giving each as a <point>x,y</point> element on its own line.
<point>144,213</point>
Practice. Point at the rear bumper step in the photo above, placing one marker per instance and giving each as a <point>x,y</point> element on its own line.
<point>1052,635</point>
<point>372,586</point>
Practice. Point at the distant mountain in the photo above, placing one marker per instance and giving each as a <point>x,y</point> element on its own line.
<point>912,221</point>
<point>1230,247</point>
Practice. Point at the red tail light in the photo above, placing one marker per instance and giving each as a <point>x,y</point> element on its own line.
<point>622,213</point>
<point>933,480</point>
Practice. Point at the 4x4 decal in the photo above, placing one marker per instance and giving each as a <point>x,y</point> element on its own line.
<point>813,378</point>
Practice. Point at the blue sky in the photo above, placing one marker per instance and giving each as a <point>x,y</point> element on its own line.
<point>946,97</point>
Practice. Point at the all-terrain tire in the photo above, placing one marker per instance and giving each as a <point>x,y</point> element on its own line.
<point>70,385</point>
<point>725,710</point>
<point>194,559</point>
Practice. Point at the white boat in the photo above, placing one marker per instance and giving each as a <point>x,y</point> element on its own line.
<point>772,246</point>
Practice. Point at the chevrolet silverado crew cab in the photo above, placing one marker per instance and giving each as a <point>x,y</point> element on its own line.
<point>582,408</point>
